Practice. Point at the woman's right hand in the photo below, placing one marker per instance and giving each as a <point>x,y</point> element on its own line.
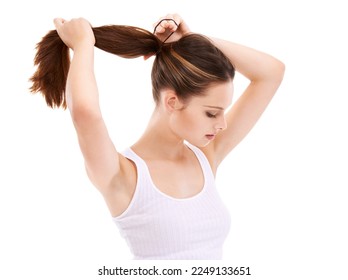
<point>165,27</point>
<point>75,33</point>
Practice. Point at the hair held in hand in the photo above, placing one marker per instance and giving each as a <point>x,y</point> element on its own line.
<point>187,66</point>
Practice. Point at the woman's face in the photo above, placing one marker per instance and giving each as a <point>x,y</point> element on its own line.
<point>203,117</point>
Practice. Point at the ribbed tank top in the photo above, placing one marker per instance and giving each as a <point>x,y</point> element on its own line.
<point>158,226</point>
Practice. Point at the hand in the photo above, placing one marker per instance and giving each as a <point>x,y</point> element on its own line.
<point>75,33</point>
<point>166,27</point>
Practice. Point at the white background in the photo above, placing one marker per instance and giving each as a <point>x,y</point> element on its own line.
<point>285,184</point>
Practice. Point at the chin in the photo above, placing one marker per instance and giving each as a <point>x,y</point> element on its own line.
<point>199,144</point>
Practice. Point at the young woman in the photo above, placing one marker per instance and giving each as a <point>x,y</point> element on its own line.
<point>161,190</point>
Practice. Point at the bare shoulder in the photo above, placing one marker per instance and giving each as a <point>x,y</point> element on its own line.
<point>122,187</point>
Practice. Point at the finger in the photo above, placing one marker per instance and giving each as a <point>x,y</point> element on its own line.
<point>160,29</point>
<point>172,26</point>
<point>160,26</point>
<point>175,17</point>
<point>168,23</point>
<point>173,22</point>
<point>165,24</point>
<point>181,24</point>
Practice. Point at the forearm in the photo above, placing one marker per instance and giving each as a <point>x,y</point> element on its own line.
<point>82,91</point>
<point>255,65</point>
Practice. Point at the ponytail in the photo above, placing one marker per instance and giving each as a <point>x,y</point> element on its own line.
<point>53,61</point>
<point>188,65</point>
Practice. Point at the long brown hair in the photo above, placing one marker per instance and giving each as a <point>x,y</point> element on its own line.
<point>188,66</point>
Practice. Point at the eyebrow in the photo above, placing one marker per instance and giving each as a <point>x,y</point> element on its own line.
<point>214,107</point>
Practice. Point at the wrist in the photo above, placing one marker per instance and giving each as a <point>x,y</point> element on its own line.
<point>83,45</point>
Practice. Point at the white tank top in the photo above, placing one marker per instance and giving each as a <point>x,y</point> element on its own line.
<point>158,226</point>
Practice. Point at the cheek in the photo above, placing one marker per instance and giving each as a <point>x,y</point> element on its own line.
<point>193,122</point>
<point>187,122</point>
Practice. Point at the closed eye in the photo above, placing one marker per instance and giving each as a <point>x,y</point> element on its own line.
<point>210,115</point>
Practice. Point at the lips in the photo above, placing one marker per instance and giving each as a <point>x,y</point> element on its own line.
<point>210,136</point>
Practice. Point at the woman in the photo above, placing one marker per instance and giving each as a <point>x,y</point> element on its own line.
<point>161,190</point>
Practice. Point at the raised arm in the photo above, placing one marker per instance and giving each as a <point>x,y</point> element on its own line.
<point>101,158</point>
<point>265,74</point>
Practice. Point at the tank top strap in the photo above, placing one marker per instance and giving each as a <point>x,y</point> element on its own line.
<point>208,172</point>
<point>143,179</point>
<point>143,175</point>
<point>128,153</point>
<point>139,162</point>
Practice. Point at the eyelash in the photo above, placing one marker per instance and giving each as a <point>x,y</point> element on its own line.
<point>209,115</point>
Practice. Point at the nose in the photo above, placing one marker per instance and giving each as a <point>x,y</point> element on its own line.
<point>221,123</point>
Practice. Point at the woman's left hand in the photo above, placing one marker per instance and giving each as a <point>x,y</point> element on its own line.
<point>166,27</point>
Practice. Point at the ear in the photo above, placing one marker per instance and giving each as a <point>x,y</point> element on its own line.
<point>171,101</point>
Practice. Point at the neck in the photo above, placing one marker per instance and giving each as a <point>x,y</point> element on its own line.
<point>158,140</point>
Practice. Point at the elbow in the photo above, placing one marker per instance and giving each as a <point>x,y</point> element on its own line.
<point>270,73</point>
<point>274,73</point>
<point>278,71</point>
